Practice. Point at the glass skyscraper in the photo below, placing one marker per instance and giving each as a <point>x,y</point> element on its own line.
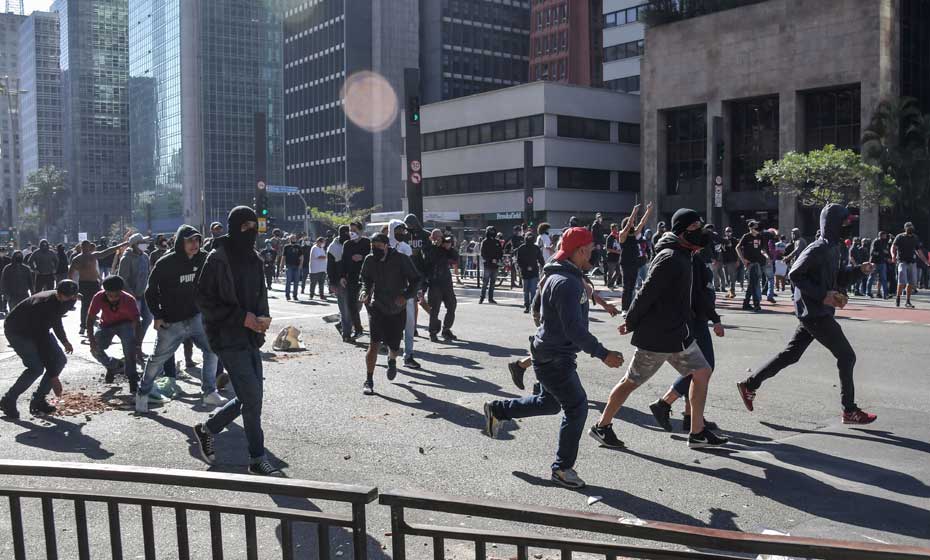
<point>95,113</point>
<point>10,160</point>
<point>203,75</point>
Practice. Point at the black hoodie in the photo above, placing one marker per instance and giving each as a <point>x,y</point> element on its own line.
<point>821,267</point>
<point>491,251</point>
<point>173,282</point>
<point>661,310</point>
<point>385,280</point>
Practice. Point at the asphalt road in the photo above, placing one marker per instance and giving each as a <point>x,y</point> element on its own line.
<point>791,465</point>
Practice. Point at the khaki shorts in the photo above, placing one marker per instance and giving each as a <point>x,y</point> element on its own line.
<point>645,363</point>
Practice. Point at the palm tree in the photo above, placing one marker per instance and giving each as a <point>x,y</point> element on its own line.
<point>42,192</point>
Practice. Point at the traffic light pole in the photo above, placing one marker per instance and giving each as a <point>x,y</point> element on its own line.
<point>529,214</point>
<point>414,188</point>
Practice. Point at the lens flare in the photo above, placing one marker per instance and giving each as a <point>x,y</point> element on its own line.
<point>369,101</point>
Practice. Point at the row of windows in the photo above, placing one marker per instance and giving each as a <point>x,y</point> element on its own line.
<point>626,85</point>
<point>624,50</point>
<point>511,129</point>
<point>551,43</point>
<point>555,70</point>
<point>596,129</point>
<point>486,66</point>
<point>475,36</point>
<point>552,16</point>
<point>623,17</point>
<point>488,181</point>
<point>511,14</point>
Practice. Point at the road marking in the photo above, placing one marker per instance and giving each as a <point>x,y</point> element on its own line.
<point>897,322</point>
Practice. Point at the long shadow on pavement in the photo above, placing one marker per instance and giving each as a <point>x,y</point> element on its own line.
<point>62,437</point>
<point>440,409</point>
<point>448,360</point>
<point>880,436</point>
<point>461,384</point>
<point>805,493</point>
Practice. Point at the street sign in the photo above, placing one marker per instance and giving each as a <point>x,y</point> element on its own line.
<point>282,189</point>
<point>718,196</point>
<point>529,200</point>
<point>416,178</point>
<point>415,166</point>
<point>262,225</point>
<point>718,180</point>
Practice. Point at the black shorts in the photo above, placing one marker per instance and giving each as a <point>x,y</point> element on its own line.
<point>387,329</point>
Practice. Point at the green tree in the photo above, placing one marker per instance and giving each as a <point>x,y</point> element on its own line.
<point>344,213</point>
<point>42,195</point>
<point>829,175</point>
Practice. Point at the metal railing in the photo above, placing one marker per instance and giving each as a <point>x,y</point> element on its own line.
<point>357,496</point>
<point>711,544</point>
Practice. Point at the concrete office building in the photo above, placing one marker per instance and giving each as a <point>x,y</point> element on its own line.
<point>565,42</point>
<point>10,154</point>
<point>40,100</point>
<point>95,113</point>
<point>585,154</point>
<point>327,45</point>
<point>782,75</point>
<point>204,91</point>
<point>623,44</point>
<point>472,46</point>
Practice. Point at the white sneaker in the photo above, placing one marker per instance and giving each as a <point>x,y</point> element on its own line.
<point>142,403</point>
<point>213,399</point>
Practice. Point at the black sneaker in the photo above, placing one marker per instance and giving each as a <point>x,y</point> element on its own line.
<point>662,412</point>
<point>433,337</point>
<point>411,363</point>
<point>491,423</point>
<point>263,468</point>
<point>606,436</point>
<point>448,335</point>
<point>516,374</point>
<point>686,424</point>
<point>757,308</point>
<point>206,444</point>
<point>8,408</point>
<point>706,438</point>
<point>40,407</point>
<point>492,302</point>
<point>368,388</point>
<point>747,307</point>
<point>909,305</point>
<point>392,370</point>
<point>480,300</point>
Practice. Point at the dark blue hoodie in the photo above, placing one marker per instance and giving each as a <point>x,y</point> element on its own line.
<point>564,310</point>
<point>821,267</point>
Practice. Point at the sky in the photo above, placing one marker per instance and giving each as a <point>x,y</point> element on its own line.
<point>30,6</point>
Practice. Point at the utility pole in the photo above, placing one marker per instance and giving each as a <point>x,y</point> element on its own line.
<point>412,143</point>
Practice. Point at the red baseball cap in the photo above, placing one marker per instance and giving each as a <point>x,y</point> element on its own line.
<point>572,239</point>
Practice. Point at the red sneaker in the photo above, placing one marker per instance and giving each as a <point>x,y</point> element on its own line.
<point>858,416</point>
<point>746,394</point>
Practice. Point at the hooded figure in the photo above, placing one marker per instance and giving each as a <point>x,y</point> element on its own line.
<point>399,241</point>
<point>820,275</point>
<point>492,254</point>
<point>16,280</point>
<point>133,268</point>
<point>418,240</point>
<point>45,263</point>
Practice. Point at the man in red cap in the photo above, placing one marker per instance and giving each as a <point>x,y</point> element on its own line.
<point>658,319</point>
<point>562,333</point>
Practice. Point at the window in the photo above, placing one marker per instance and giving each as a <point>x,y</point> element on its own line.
<point>629,133</point>
<point>629,181</point>
<point>832,117</point>
<point>490,181</point>
<point>754,139</point>
<point>511,129</point>
<point>686,151</point>
<point>588,129</point>
<point>624,50</point>
<point>627,85</point>
<point>589,179</point>
<point>623,17</point>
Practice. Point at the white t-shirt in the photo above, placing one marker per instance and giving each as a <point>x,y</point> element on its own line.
<point>317,264</point>
<point>544,242</point>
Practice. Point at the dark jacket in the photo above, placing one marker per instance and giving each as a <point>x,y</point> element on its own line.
<point>226,293</point>
<point>821,267</point>
<point>564,308</point>
<point>384,280</point>
<point>881,251</point>
<point>16,281</point>
<point>491,252</point>
<point>437,272</point>
<point>44,261</point>
<point>35,315</point>
<point>530,260</point>
<point>157,254</point>
<point>63,263</point>
<point>702,291</point>
<point>661,310</point>
<point>360,246</point>
<point>172,286</point>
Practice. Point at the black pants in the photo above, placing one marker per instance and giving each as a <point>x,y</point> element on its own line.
<point>353,290</point>
<point>630,274</point>
<point>828,332</point>
<point>88,290</point>
<point>44,282</point>
<point>441,294</point>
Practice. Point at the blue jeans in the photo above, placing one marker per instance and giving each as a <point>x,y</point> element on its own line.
<point>560,390</point>
<point>245,374</point>
<point>145,318</point>
<point>489,278</point>
<point>291,278</point>
<point>170,337</point>
<point>345,310</point>
<point>127,337</point>
<point>530,285</point>
<point>881,274</point>
<point>770,279</point>
<point>704,341</point>
<point>42,357</point>
<point>410,327</point>
<point>754,288</point>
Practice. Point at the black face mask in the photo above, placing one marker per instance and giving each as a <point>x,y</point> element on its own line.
<point>378,253</point>
<point>244,240</point>
<point>909,231</point>
<point>344,237</point>
<point>402,237</point>
<point>697,237</point>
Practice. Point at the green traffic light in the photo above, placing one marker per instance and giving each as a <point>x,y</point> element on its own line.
<point>416,117</point>
<point>264,211</point>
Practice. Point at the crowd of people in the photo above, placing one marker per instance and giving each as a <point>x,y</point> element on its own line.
<point>213,294</point>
